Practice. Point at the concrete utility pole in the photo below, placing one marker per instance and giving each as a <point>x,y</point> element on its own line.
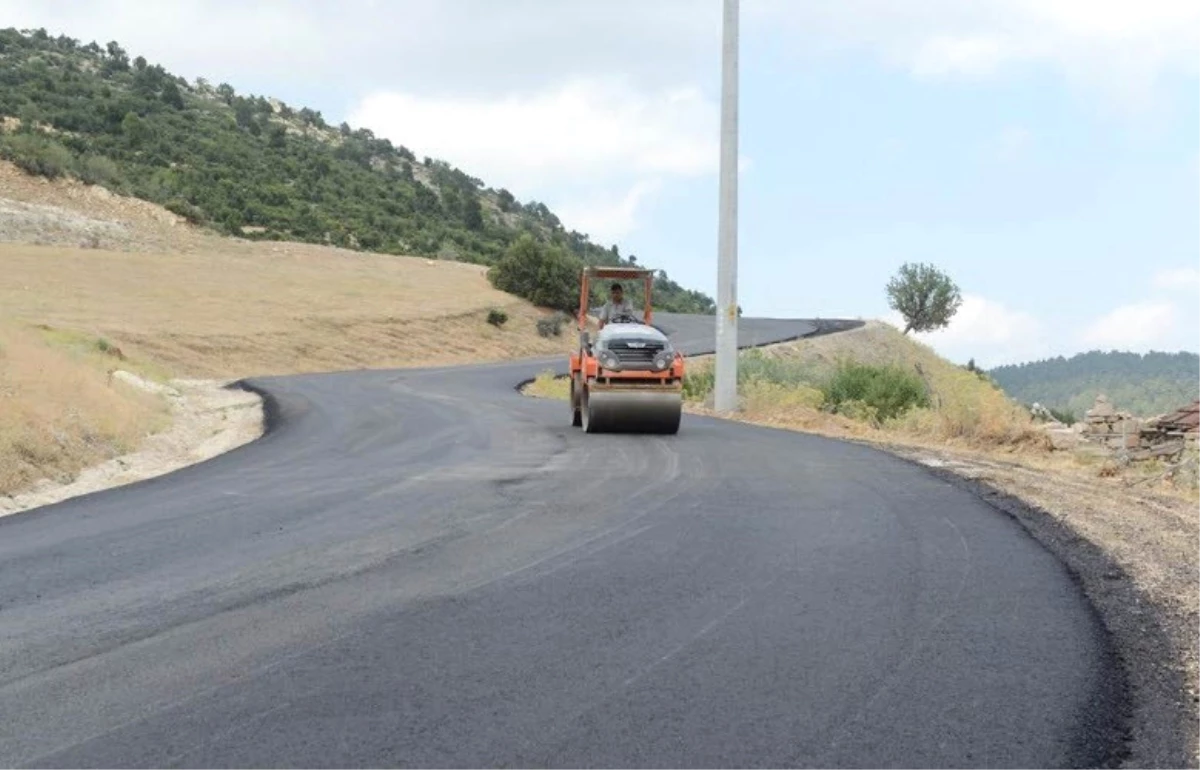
<point>725,395</point>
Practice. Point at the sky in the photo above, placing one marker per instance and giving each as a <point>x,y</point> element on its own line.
<point>1043,153</point>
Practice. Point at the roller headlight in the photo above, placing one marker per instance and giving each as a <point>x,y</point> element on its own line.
<point>663,360</point>
<point>607,359</point>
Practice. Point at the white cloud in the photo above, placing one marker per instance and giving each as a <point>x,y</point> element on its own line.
<point>585,127</point>
<point>1011,143</point>
<point>949,55</point>
<point>571,144</point>
<point>1177,279</point>
<point>986,330</point>
<point>1121,45</point>
<point>426,46</point>
<point>604,219</point>
<point>1138,327</point>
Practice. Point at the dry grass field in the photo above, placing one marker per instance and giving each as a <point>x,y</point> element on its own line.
<point>59,411</point>
<point>269,308</point>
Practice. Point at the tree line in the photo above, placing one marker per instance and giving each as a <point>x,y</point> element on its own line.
<point>1143,384</point>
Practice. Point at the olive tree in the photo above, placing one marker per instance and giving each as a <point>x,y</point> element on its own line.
<point>924,295</point>
<point>545,275</point>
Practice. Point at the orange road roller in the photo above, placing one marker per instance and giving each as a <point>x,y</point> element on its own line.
<point>629,379</point>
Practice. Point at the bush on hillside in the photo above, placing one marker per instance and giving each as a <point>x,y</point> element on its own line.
<point>1065,416</point>
<point>497,317</point>
<point>545,275</point>
<point>552,326</point>
<point>878,393</point>
<point>98,169</point>
<point>38,155</point>
<point>754,368</point>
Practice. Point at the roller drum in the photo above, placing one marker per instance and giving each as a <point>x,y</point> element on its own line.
<point>632,411</point>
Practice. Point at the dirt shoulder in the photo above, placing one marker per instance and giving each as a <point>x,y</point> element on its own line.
<point>208,418</point>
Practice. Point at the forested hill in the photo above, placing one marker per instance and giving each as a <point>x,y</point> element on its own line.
<point>256,167</point>
<point>1144,384</point>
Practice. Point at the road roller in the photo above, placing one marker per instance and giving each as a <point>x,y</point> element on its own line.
<point>629,378</point>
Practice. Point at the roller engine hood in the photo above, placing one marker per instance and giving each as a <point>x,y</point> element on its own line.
<point>636,332</point>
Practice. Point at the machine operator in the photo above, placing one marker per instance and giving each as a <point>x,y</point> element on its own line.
<point>616,307</point>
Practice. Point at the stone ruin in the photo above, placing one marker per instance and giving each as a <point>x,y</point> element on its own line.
<point>1165,436</point>
<point>1103,424</point>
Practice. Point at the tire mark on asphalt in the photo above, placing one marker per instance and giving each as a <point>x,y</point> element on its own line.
<point>884,684</point>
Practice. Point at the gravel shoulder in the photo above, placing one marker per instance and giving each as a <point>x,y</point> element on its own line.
<point>209,418</point>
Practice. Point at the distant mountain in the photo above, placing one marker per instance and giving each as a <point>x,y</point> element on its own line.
<point>257,168</point>
<point>1143,384</point>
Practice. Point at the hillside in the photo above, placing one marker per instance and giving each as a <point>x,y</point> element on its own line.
<point>236,310</point>
<point>1143,384</point>
<point>256,167</point>
<point>96,283</point>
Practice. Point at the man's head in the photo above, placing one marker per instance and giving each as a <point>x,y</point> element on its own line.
<point>617,292</point>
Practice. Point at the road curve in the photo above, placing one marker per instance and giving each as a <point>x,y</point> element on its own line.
<point>425,568</point>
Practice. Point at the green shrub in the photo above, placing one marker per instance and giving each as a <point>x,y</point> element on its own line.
<point>552,326</point>
<point>754,367</point>
<point>39,155</point>
<point>188,211</point>
<point>1065,416</point>
<point>877,393</point>
<point>545,275</point>
<point>497,317</point>
<point>698,382</point>
<point>97,169</point>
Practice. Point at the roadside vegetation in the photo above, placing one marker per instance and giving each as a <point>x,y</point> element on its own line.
<point>60,411</point>
<point>873,379</point>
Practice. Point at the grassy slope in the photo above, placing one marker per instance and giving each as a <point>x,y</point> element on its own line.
<point>965,407</point>
<point>270,309</point>
<point>60,410</point>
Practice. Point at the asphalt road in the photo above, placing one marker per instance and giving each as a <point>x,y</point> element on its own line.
<point>425,568</point>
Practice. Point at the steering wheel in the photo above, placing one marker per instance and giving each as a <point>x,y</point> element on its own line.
<point>623,318</point>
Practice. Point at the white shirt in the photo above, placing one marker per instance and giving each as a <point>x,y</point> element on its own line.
<point>610,311</point>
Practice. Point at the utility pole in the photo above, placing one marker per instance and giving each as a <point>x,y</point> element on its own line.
<point>725,395</point>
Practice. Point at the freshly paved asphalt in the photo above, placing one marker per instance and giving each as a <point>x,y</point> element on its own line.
<point>425,568</point>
